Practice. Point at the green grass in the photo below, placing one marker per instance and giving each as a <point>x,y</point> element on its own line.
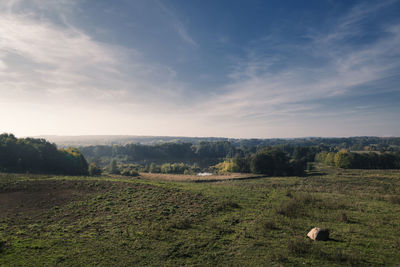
<point>113,221</point>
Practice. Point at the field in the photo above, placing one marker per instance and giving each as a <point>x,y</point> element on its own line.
<point>115,221</point>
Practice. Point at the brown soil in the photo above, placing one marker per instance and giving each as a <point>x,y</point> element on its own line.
<point>196,178</point>
<point>31,198</point>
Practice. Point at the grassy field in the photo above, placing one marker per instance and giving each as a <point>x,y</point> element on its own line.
<point>114,221</point>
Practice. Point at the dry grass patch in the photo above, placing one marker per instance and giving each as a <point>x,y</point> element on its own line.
<point>196,178</point>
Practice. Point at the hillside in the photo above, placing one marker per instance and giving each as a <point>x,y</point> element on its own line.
<point>110,220</point>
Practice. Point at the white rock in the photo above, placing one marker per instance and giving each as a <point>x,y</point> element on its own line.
<point>318,234</point>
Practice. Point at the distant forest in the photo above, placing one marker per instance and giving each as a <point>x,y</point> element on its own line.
<point>239,155</point>
<point>278,157</point>
<point>351,143</point>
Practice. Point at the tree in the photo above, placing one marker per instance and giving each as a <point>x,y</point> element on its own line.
<point>94,170</point>
<point>271,162</point>
<point>154,168</point>
<point>113,169</point>
<point>343,160</point>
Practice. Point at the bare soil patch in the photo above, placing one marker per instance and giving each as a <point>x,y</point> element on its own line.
<point>197,178</point>
<point>31,198</point>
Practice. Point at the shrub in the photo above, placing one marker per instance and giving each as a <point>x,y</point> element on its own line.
<point>227,166</point>
<point>94,170</point>
<point>127,172</point>
<point>134,173</point>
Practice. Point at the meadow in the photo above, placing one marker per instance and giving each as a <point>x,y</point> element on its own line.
<point>50,220</point>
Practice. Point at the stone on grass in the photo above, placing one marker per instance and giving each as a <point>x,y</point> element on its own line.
<point>318,234</point>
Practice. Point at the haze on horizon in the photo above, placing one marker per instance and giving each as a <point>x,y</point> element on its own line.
<point>240,69</point>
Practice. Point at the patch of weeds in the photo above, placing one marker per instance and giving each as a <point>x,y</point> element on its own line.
<point>299,246</point>
<point>266,225</point>
<point>60,259</point>
<point>394,199</point>
<point>222,228</point>
<point>291,208</point>
<point>231,221</point>
<point>289,193</point>
<point>181,224</point>
<point>396,243</point>
<point>227,205</point>
<point>343,217</point>
<point>280,257</point>
<point>339,256</point>
<point>305,198</point>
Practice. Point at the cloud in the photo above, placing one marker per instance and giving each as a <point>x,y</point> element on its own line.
<point>43,61</point>
<point>183,34</point>
<point>56,73</point>
<point>177,24</point>
<point>280,81</point>
<point>50,58</point>
<point>58,69</point>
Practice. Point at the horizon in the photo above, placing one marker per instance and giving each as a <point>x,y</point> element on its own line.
<point>234,69</point>
<point>199,137</point>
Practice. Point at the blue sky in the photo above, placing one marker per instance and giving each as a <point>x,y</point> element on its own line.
<point>200,68</point>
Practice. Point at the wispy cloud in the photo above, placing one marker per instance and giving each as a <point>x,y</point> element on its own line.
<point>177,25</point>
<point>271,84</point>
<point>53,70</point>
<point>184,34</point>
<point>60,69</point>
<point>42,60</point>
<point>49,58</point>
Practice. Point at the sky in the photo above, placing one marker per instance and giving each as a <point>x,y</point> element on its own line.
<point>227,68</point>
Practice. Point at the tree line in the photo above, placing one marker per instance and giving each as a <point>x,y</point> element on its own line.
<point>352,160</point>
<point>282,159</point>
<point>39,156</point>
<point>204,153</point>
<point>271,161</point>
<point>221,157</point>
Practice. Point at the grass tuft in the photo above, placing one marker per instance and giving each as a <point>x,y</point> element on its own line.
<point>291,208</point>
<point>227,205</point>
<point>266,225</point>
<point>181,224</point>
<point>343,217</point>
<point>299,246</point>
